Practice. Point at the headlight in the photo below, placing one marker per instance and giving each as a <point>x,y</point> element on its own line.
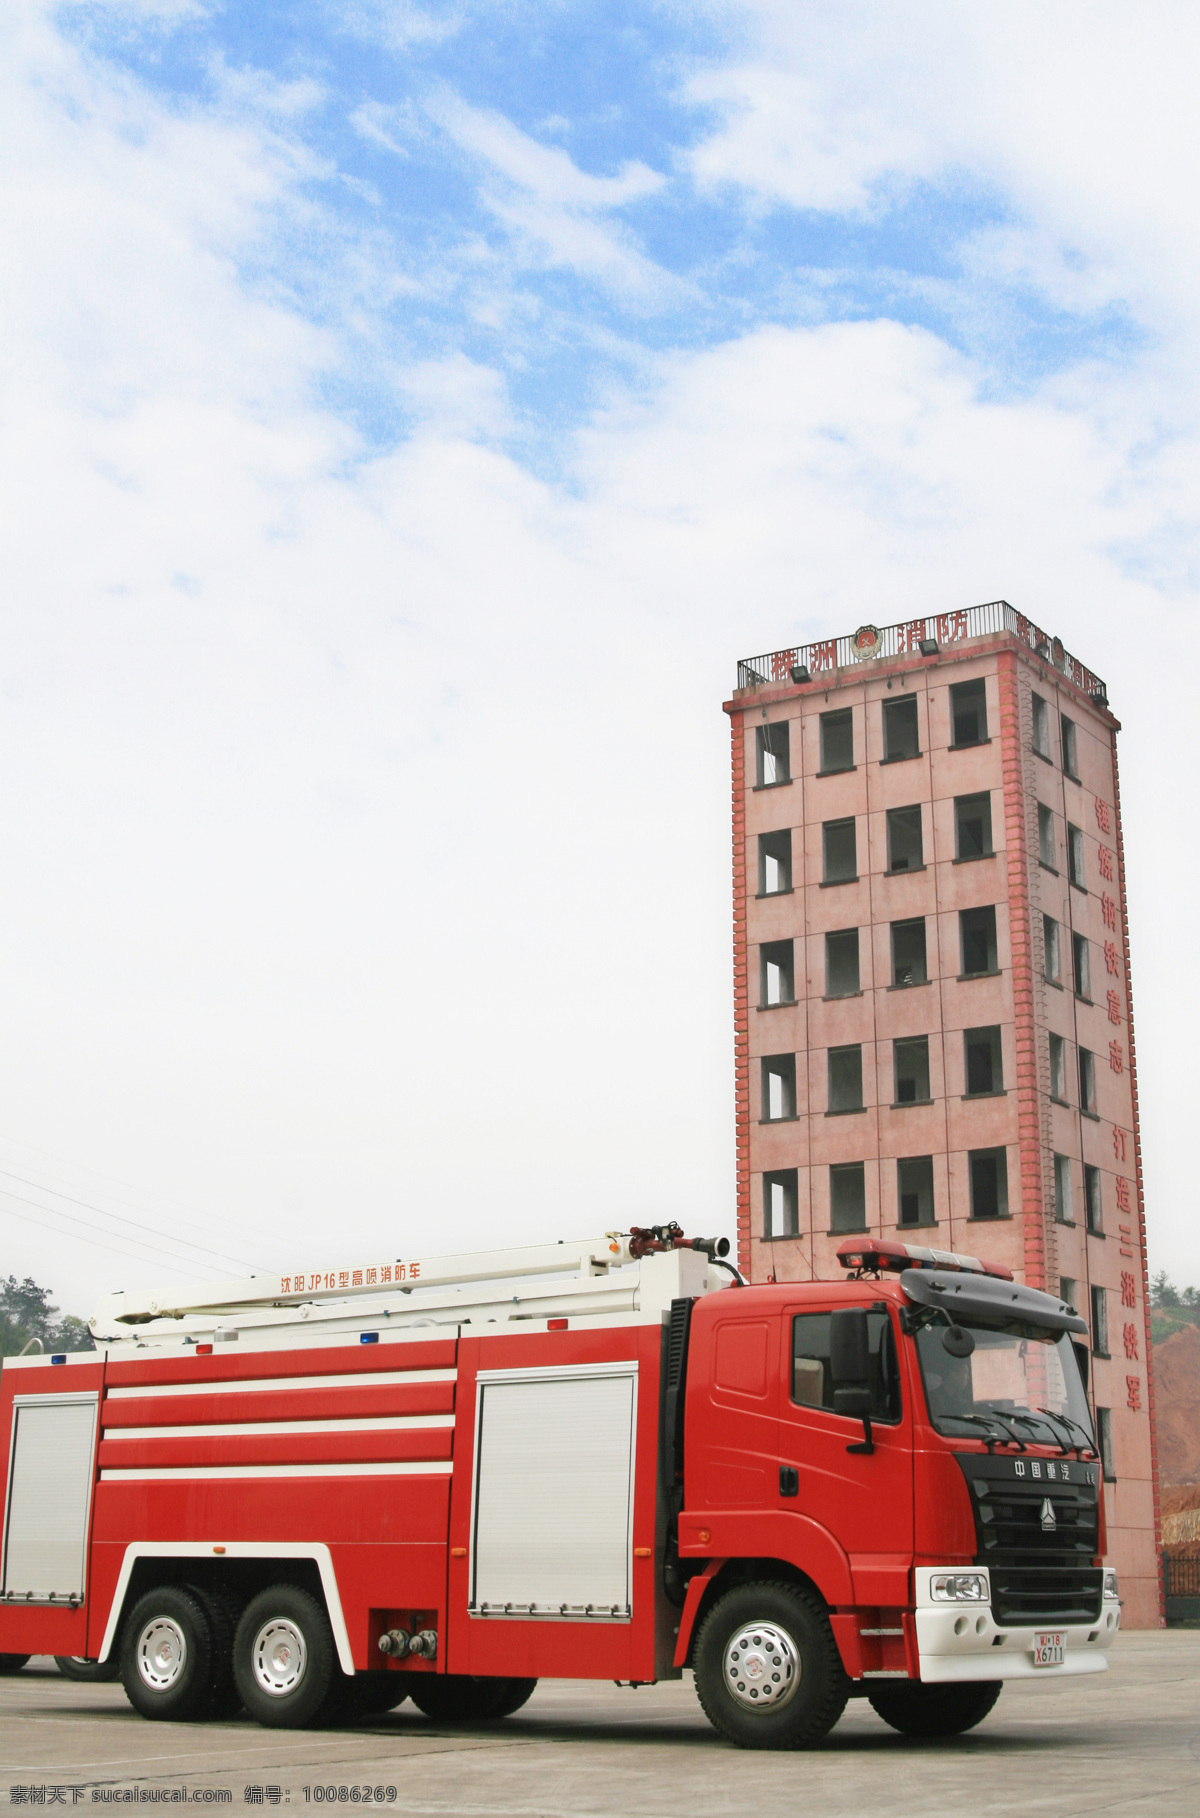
<point>960,1587</point>
<point>1110,1585</point>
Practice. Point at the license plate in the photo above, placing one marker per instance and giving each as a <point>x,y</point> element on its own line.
<point>1049,1650</point>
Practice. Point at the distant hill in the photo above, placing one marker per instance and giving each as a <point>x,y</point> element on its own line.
<point>1177,1409</point>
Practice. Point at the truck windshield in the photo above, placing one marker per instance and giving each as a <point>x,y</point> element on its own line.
<point>1019,1382</point>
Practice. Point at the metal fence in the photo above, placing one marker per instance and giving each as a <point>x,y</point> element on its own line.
<point>1181,1577</point>
<point>908,635</point>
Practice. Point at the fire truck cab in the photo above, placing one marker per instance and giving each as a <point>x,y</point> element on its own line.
<point>441,1479</point>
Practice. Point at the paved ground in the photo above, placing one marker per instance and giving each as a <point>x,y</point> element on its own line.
<point>1127,1742</point>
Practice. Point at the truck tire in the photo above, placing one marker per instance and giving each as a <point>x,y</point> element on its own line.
<point>284,1659</point>
<point>367,1695</point>
<point>934,1710</point>
<point>462,1698</point>
<point>768,1672</point>
<point>223,1611</point>
<point>168,1661</point>
<point>73,1666</point>
<point>12,1663</point>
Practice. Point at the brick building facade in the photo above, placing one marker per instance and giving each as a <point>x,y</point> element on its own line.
<point>934,1017</point>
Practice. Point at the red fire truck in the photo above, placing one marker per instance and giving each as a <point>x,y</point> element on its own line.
<point>442,1478</point>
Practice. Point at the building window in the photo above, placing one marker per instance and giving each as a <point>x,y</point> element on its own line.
<point>777,973</point>
<point>837,741</point>
<point>1104,1440</point>
<point>1092,1200</point>
<point>1064,1199</point>
<point>778,1087</point>
<point>845,1078</point>
<point>1053,959</point>
<point>1075,856</point>
<point>988,1170</point>
<point>904,848</point>
<point>841,963</point>
<point>910,1061</point>
<point>908,952</point>
<point>774,758</point>
<point>1047,850</point>
<point>1066,1289</point>
<point>775,863</point>
<point>977,937</point>
<point>841,852</point>
<point>1081,966</point>
<point>1070,748</point>
<point>984,1061</point>
<point>900,736</point>
<point>1087,1081</point>
<point>1041,727</point>
<point>1058,1069</point>
<point>847,1197</point>
<point>968,713</point>
<point>781,1203</point>
<point>1099,1322</point>
<point>914,1190</point>
<point>973,826</point>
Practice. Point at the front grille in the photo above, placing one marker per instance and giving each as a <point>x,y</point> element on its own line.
<point>1038,1535</point>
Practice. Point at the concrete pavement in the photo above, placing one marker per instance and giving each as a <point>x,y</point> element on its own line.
<point>1124,1742</point>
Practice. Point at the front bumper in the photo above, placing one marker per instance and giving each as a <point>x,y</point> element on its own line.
<point>962,1641</point>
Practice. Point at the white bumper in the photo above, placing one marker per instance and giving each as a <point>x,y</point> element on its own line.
<point>963,1641</point>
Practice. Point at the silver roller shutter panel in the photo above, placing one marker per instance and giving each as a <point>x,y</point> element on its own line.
<point>49,1497</point>
<point>554,1496</point>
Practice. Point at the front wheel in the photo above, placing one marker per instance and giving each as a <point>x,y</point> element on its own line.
<point>169,1659</point>
<point>462,1698</point>
<point>73,1666</point>
<point>284,1658</point>
<point>768,1673</point>
<point>934,1710</point>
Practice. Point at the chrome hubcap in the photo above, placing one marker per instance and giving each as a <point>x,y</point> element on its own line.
<point>161,1653</point>
<point>279,1657</point>
<point>762,1666</point>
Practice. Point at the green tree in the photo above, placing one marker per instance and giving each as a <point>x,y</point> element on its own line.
<point>1163,1292</point>
<point>26,1313</point>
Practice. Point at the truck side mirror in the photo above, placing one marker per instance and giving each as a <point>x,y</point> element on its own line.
<point>850,1369</point>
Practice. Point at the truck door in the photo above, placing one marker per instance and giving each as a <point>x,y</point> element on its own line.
<point>865,1500</point>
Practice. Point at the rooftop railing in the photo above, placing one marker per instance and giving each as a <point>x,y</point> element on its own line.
<point>826,654</point>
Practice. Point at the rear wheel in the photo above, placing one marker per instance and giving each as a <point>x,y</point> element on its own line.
<point>73,1666</point>
<point>768,1673</point>
<point>370,1694</point>
<point>463,1698</point>
<point>12,1663</point>
<point>934,1710</point>
<point>284,1658</point>
<point>168,1659</point>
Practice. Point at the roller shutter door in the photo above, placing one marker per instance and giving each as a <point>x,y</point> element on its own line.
<point>554,1495</point>
<point>49,1496</point>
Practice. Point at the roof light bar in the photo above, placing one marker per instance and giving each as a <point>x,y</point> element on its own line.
<point>879,1253</point>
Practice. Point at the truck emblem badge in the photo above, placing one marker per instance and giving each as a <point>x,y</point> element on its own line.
<point>1020,1467</point>
<point>1048,1522</point>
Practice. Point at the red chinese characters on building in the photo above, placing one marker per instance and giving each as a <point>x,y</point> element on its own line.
<point>1118,1142</point>
<point>1114,1007</point>
<point>781,664</point>
<point>1128,1288</point>
<point>951,625</point>
<point>1123,1204</point>
<point>1106,862</point>
<point>824,655</point>
<point>1116,1057</point>
<point>1130,1339</point>
<point>912,634</point>
<point>1110,958</point>
<point>1133,1392</point>
<point>1103,815</point>
<point>1108,910</point>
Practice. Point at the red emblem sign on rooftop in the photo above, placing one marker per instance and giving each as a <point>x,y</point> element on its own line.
<point>866,642</point>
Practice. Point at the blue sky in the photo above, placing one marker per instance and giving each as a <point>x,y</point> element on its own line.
<point>409,416</point>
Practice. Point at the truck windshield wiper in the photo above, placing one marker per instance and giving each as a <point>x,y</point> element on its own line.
<point>988,1422</point>
<point>1088,1446</point>
<point>1030,1420</point>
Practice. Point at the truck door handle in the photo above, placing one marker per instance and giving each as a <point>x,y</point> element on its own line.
<point>789,1480</point>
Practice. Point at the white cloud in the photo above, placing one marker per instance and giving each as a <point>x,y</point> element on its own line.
<point>366,838</point>
<point>558,210</point>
